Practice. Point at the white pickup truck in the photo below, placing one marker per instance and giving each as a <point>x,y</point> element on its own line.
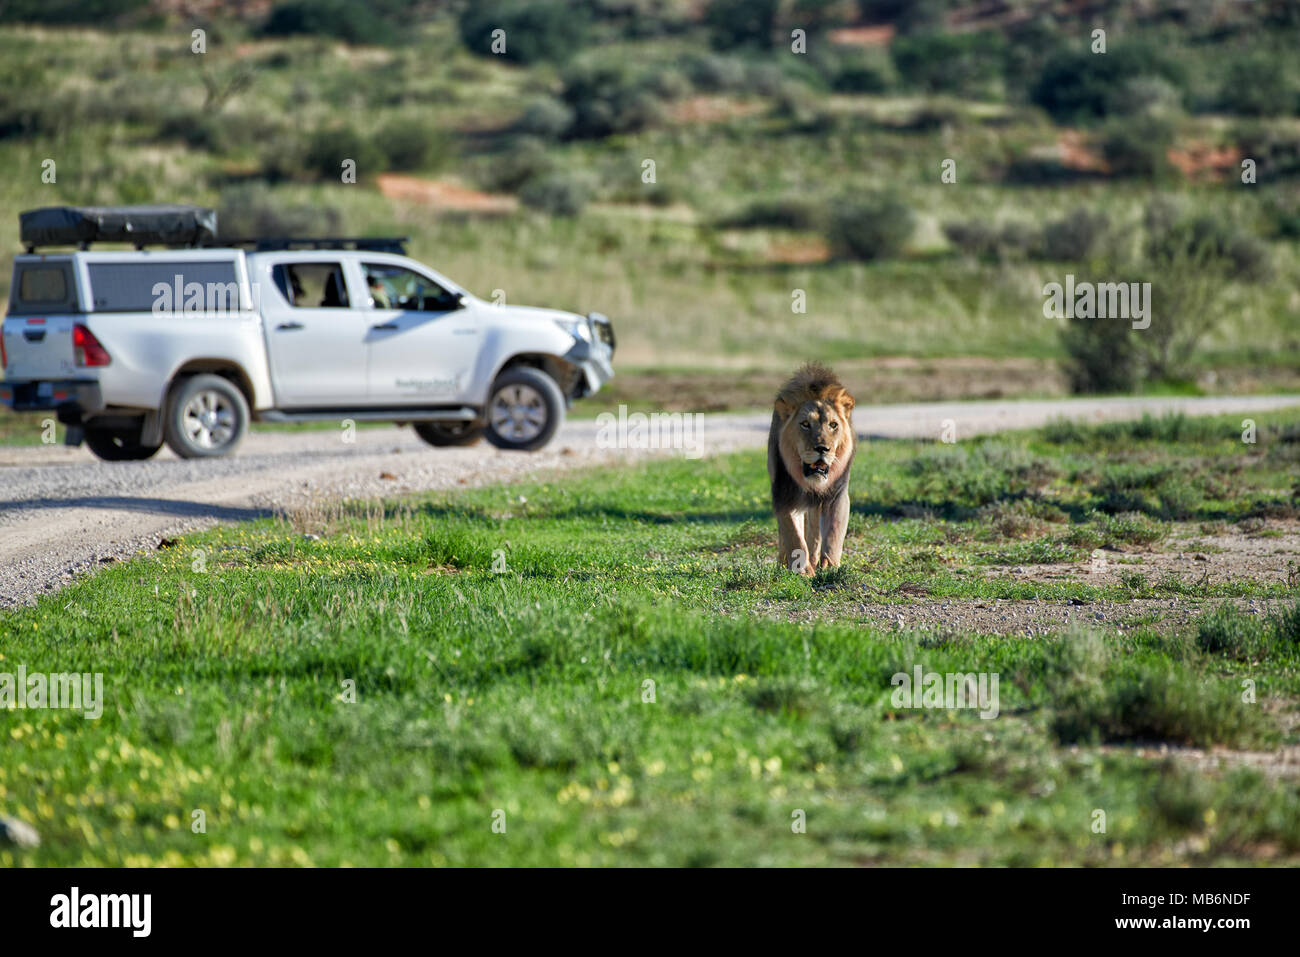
<point>188,345</point>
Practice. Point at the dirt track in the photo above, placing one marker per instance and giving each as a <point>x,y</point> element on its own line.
<point>63,512</point>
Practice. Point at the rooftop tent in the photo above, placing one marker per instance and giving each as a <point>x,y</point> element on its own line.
<point>139,225</point>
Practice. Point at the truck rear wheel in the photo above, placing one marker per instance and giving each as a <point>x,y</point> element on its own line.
<point>206,417</point>
<point>118,445</point>
<point>524,410</point>
<point>443,434</point>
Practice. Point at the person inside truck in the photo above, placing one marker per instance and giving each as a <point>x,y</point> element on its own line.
<point>379,298</point>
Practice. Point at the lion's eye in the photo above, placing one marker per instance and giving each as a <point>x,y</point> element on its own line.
<point>834,426</point>
<point>803,424</point>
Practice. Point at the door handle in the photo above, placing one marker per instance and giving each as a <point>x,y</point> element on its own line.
<point>385,325</point>
<point>289,326</point>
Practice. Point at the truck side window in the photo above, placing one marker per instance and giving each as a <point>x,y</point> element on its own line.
<point>393,287</point>
<point>312,285</point>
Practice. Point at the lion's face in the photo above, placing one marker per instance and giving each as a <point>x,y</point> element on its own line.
<point>817,440</point>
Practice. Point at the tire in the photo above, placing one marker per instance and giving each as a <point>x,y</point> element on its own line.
<point>206,417</point>
<point>444,434</point>
<point>524,410</point>
<point>118,445</point>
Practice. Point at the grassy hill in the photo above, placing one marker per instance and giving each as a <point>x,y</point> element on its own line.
<point>797,205</point>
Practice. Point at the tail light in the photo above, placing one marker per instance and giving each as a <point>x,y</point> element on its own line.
<point>86,348</point>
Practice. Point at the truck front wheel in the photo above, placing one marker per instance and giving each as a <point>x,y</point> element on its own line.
<point>206,417</point>
<point>524,410</point>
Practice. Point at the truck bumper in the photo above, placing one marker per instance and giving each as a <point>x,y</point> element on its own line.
<point>595,364</point>
<point>72,398</point>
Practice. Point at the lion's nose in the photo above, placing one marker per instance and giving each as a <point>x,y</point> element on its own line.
<point>823,449</point>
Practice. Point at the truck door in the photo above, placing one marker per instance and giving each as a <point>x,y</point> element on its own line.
<point>423,341</point>
<point>316,338</point>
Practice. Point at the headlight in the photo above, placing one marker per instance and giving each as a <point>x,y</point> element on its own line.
<point>579,329</point>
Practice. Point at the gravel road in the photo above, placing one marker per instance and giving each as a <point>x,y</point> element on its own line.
<point>63,512</point>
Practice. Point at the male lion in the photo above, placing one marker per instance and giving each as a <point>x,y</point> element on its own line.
<point>809,453</point>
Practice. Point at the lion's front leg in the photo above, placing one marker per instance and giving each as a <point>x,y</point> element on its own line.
<point>834,517</point>
<point>790,539</point>
<point>812,533</point>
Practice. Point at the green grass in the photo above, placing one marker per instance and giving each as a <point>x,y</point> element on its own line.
<point>227,660</point>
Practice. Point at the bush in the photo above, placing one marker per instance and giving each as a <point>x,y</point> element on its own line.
<point>96,12</point>
<point>964,63</point>
<point>1155,704</point>
<point>1257,85</point>
<point>410,144</point>
<point>1138,145</point>
<point>535,30</point>
<point>741,23</point>
<point>712,73</point>
<point>870,227</point>
<point>524,158</point>
<point>1081,85</point>
<point>249,211</point>
<point>1209,242</point>
<point>785,212</point>
<point>354,21</point>
<point>1075,237</point>
<point>987,241</point>
<point>1232,633</point>
<point>1101,356</point>
<point>607,98</point>
<point>558,193</point>
<point>328,148</point>
<point>546,118</point>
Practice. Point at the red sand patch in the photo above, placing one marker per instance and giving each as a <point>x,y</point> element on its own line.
<point>710,109</point>
<point>877,36</point>
<point>799,252</point>
<point>1205,162</point>
<point>440,194</point>
<point>1077,154</point>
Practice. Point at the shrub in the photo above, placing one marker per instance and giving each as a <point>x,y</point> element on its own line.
<point>784,212</point>
<point>741,23</point>
<point>546,118</point>
<point>965,63</point>
<point>1075,237</point>
<point>1257,85</point>
<point>1232,633</point>
<point>1101,356</point>
<point>713,73</point>
<point>870,227</point>
<point>558,193</point>
<point>987,241</point>
<point>1081,85</point>
<point>1155,704</point>
<point>354,21</point>
<point>523,159</point>
<point>253,210</point>
<point>328,148</point>
<point>1138,145</point>
<point>1207,242</point>
<point>410,144</point>
<point>608,98</point>
<point>535,30</point>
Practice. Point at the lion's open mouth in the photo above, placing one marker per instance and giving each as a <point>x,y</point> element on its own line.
<point>817,468</point>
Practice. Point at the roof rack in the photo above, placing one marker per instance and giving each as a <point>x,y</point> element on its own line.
<point>376,244</point>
